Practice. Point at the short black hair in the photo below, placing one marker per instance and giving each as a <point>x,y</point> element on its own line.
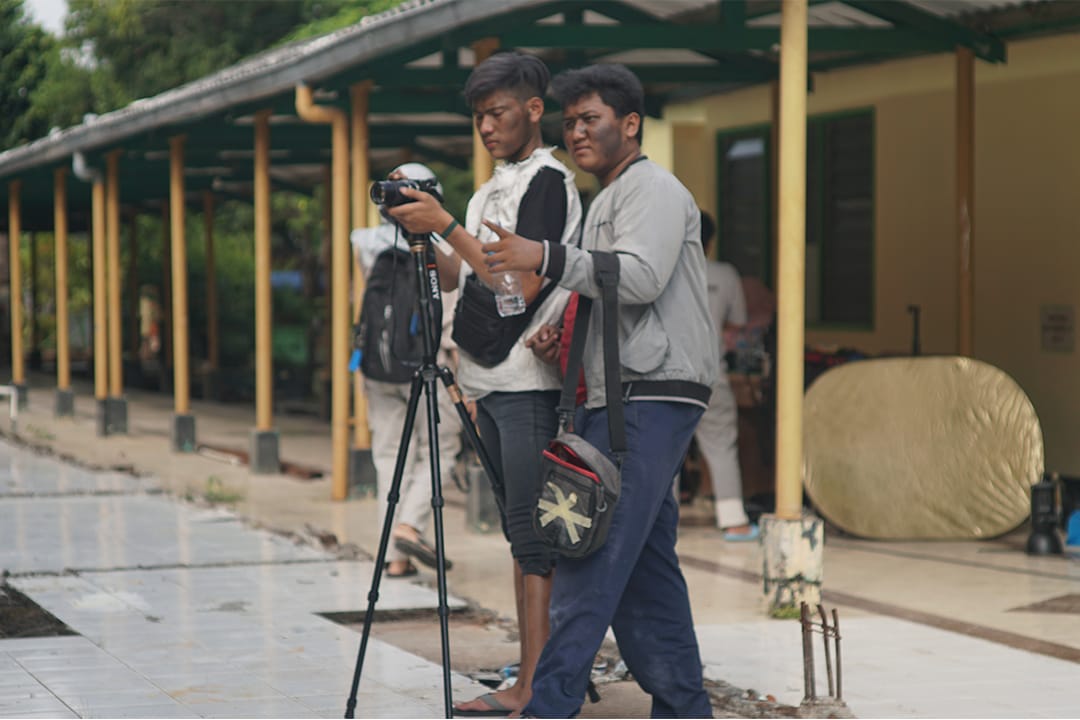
<point>616,85</point>
<point>525,75</point>
<point>708,230</point>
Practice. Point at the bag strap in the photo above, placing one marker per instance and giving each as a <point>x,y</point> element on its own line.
<point>606,272</point>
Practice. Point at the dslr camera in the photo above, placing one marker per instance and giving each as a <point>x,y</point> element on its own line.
<point>388,192</point>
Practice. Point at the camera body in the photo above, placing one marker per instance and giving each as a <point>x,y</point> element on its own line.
<point>388,192</point>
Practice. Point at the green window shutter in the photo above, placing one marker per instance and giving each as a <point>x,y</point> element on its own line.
<point>847,220</point>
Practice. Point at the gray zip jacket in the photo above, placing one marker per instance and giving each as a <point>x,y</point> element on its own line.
<point>650,220</point>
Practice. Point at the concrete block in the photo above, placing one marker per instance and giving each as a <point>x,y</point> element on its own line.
<point>265,452</point>
<point>362,480</point>
<point>65,403</point>
<point>22,392</point>
<point>116,422</point>
<point>793,562</point>
<point>183,433</point>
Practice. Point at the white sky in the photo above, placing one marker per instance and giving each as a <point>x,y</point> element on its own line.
<point>48,13</point>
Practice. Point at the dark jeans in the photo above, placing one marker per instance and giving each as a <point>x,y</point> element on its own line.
<point>515,428</point>
<point>633,583</point>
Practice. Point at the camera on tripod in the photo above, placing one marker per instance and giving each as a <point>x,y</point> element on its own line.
<point>388,192</point>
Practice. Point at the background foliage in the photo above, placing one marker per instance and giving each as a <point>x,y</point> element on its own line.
<point>113,52</point>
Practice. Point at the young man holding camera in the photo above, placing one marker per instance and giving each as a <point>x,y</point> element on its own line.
<point>670,357</point>
<point>534,194</point>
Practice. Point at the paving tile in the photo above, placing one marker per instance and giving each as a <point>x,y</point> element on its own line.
<point>31,703</point>
<point>129,530</point>
<point>266,708</point>
<point>84,702</point>
<point>173,710</point>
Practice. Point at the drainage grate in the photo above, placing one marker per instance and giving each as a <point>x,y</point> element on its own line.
<point>21,617</point>
<point>1068,604</point>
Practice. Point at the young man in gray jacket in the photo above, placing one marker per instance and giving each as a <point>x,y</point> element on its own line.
<point>669,354</point>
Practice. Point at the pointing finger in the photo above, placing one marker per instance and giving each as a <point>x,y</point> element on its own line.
<point>498,229</point>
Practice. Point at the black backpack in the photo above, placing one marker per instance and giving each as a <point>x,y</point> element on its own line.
<point>389,335</point>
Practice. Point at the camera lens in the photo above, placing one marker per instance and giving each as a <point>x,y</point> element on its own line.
<point>377,195</point>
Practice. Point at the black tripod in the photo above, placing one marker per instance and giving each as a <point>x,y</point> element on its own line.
<point>424,380</point>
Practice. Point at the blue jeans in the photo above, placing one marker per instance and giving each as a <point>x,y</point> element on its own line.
<point>515,428</point>
<point>633,583</point>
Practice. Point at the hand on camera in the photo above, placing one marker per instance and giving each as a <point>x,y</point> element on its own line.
<point>512,252</point>
<point>423,215</point>
<point>545,343</point>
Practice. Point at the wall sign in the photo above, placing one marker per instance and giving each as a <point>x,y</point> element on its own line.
<point>1058,323</point>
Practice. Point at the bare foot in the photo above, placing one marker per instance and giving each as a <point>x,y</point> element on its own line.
<point>400,568</point>
<point>406,532</point>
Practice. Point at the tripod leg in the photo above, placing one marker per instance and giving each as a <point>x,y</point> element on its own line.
<point>493,473</point>
<point>430,392</point>
<point>384,539</point>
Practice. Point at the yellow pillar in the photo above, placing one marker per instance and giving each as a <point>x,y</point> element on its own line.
<point>774,180</point>
<point>483,163</point>
<point>60,230</point>
<point>965,197</point>
<point>101,311</point>
<point>18,366</point>
<point>212,339</point>
<point>361,178</point>
<point>166,287</point>
<point>792,272</point>
<point>112,249</point>
<point>339,346</point>
<point>792,542</point>
<point>183,435</point>
<point>65,397</point>
<point>134,339</point>
<point>264,370</point>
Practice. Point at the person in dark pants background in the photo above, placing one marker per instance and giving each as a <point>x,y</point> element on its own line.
<point>669,354</point>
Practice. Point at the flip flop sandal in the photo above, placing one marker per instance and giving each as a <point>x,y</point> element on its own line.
<point>494,708</point>
<point>421,550</point>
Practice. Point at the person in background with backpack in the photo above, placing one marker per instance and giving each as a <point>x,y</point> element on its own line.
<point>391,351</point>
<point>516,392</point>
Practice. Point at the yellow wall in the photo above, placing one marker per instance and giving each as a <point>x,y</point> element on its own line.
<point>1027,221</point>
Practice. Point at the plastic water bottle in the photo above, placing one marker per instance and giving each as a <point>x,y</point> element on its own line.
<point>509,299</point>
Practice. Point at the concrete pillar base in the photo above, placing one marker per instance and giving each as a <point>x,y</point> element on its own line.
<point>265,456</point>
<point>22,392</point>
<point>793,561</point>
<point>65,403</point>
<point>183,433</point>
<point>362,481</point>
<point>116,416</point>
<point>101,416</point>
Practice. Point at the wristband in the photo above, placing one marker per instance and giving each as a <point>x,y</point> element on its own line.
<point>449,228</point>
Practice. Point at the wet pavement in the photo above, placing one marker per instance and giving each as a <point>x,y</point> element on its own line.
<point>184,611</point>
<point>188,609</point>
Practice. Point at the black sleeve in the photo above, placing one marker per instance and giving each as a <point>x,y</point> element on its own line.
<point>542,212</point>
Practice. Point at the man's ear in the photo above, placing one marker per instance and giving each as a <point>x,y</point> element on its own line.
<point>631,125</point>
<point>535,107</point>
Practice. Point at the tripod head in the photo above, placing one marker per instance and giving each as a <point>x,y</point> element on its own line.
<point>417,241</point>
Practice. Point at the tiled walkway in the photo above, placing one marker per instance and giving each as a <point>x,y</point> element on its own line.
<point>186,612</point>
<point>189,611</point>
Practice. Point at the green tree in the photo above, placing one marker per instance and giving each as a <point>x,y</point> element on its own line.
<point>24,47</point>
<point>150,47</point>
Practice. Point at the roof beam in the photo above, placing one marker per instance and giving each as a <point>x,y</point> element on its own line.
<point>987,47</point>
<point>650,36</point>
<point>718,72</point>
